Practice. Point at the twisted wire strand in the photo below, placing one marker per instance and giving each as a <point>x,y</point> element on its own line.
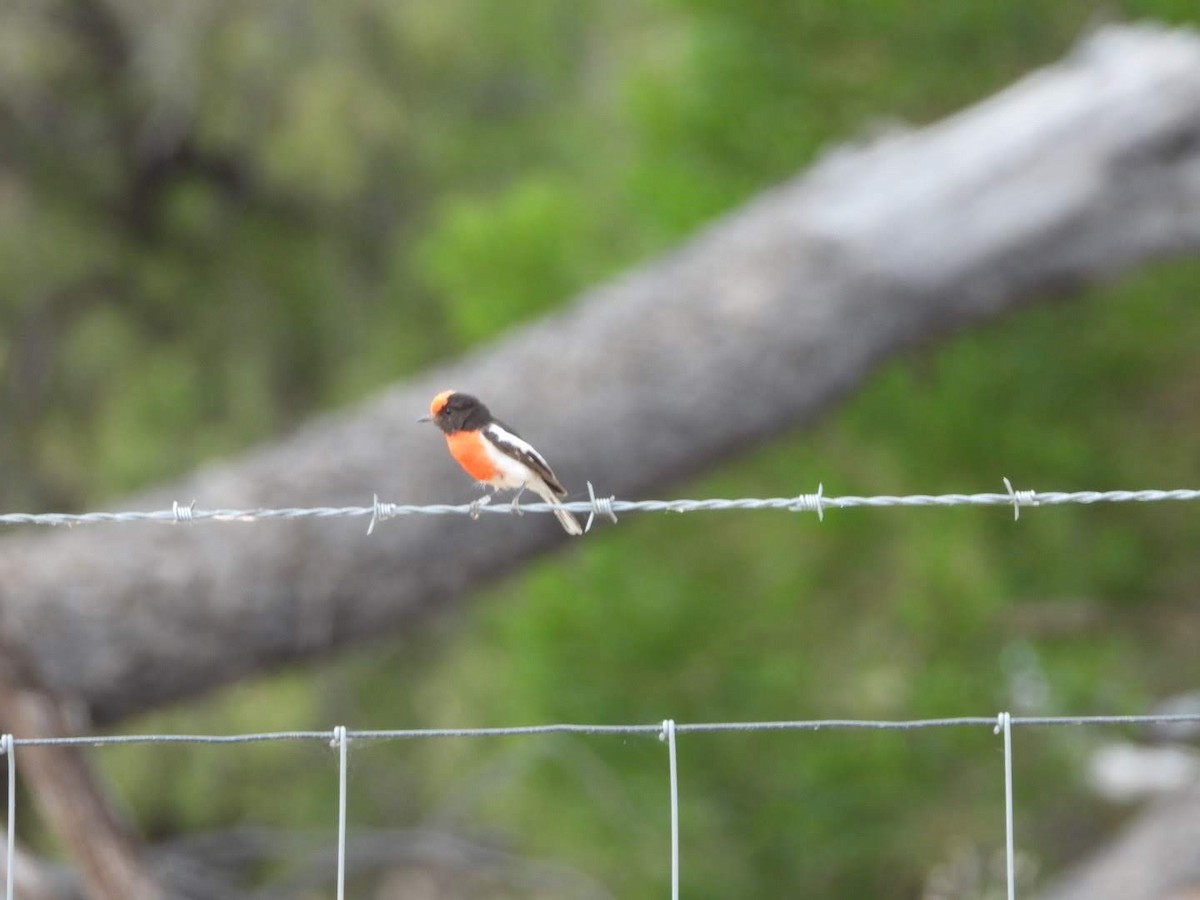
<point>606,507</point>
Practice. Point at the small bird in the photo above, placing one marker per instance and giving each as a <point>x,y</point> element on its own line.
<point>495,455</point>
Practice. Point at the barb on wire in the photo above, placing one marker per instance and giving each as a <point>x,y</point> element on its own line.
<point>608,507</point>
<point>600,506</point>
<point>811,503</point>
<point>183,513</point>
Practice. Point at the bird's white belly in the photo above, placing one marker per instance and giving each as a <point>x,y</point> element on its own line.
<point>510,473</point>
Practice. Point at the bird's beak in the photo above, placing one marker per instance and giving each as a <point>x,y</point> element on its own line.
<point>425,419</point>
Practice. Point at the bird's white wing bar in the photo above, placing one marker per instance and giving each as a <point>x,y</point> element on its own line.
<point>520,449</point>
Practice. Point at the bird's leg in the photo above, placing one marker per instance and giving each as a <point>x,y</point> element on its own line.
<point>516,505</point>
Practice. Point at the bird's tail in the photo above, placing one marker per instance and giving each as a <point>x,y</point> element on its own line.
<point>569,523</point>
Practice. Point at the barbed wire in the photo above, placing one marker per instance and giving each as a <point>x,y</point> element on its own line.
<point>608,507</point>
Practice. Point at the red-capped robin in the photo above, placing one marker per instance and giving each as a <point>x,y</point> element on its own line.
<point>495,455</point>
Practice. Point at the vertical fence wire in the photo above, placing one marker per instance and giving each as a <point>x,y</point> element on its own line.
<point>9,748</point>
<point>668,734</point>
<point>1004,726</point>
<point>339,741</point>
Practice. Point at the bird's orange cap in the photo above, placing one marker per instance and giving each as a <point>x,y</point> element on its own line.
<point>439,402</point>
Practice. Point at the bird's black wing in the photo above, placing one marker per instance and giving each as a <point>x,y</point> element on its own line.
<point>511,443</point>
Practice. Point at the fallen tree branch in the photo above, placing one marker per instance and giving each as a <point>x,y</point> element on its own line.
<point>1075,174</point>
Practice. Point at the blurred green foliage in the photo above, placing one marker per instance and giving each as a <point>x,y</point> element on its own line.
<point>220,217</point>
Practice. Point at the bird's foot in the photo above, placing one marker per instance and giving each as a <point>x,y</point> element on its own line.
<point>476,505</point>
<point>515,506</point>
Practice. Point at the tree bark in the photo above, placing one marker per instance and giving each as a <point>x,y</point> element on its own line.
<point>1072,176</point>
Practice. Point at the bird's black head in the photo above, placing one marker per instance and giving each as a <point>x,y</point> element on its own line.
<point>454,411</point>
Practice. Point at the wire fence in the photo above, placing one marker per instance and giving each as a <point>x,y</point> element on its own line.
<point>607,507</point>
<point>668,730</point>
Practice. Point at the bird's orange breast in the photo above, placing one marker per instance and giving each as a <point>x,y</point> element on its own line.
<point>469,448</point>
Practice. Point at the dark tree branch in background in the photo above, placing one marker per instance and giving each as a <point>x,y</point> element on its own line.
<point>154,155</point>
<point>99,29</point>
<point>1074,175</point>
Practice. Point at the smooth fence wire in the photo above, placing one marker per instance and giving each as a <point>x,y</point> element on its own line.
<point>653,729</point>
<point>607,507</point>
<point>1004,726</point>
<point>8,748</point>
<point>668,734</point>
<point>340,742</point>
